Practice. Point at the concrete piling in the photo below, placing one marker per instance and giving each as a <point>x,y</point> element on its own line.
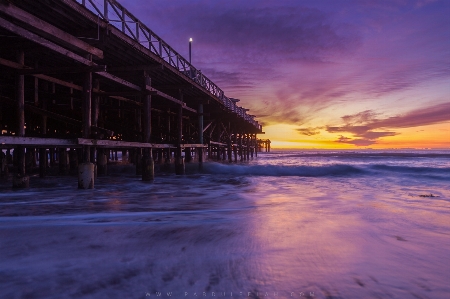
<point>86,175</point>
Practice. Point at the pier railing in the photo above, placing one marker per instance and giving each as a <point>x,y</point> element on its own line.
<point>114,13</point>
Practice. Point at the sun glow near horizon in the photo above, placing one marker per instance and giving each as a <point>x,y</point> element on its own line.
<point>286,136</point>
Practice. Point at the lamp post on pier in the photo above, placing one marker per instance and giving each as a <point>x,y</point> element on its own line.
<point>190,49</point>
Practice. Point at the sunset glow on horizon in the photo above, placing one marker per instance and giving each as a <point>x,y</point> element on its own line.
<point>322,74</point>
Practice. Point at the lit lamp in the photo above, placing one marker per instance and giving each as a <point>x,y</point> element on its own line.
<point>190,49</point>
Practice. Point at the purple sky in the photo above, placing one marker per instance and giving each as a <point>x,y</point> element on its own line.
<point>360,69</point>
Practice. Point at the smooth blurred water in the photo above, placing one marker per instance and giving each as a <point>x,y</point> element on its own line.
<point>321,224</point>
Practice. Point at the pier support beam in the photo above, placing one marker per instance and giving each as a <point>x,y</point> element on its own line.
<point>95,107</point>
<point>230,151</point>
<point>63,161</point>
<point>86,175</point>
<point>3,165</point>
<point>247,139</point>
<point>86,169</point>
<point>137,153</point>
<point>102,162</point>
<point>148,165</point>
<point>200,134</point>
<point>240,147</point>
<point>43,159</point>
<point>179,159</point>
<point>20,179</point>
<point>73,161</point>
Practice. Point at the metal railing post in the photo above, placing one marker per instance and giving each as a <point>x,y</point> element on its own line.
<point>105,10</point>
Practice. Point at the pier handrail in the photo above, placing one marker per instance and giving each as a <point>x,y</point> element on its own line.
<point>147,38</point>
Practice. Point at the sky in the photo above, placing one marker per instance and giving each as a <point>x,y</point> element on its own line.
<point>347,74</point>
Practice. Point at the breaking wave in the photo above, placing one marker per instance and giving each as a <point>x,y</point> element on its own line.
<point>324,170</point>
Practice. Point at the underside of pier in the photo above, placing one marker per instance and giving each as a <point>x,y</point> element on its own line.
<point>75,86</point>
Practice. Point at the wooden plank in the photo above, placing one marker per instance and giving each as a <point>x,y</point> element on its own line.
<point>126,100</point>
<point>37,141</point>
<point>166,96</point>
<point>218,143</point>
<point>13,64</point>
<point>59,35</point>
<point>132,68</point>
<point>42,41</point>
<point>207,126</point>
<point>121,144</point>
<point>59,82</point>
<point>163,95</point>
<point>194,145</point>
<point>63,70</point>
<point>175,87</point>
<point>190,109</point>
<point>118,80</point>
<point>125,93</point>
<point>19,66</point>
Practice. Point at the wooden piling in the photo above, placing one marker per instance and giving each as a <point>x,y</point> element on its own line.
<point>229,151</point>
<point>200,134</point>
<point>3,165</point>
<point>148,166</point>
<point>20,180</point>
<point>247,141</point>
<point>102,162</point>
<point>86,170</point>
<point>73,161</point>
<point>179,159</point>
<point>63,161</point>
<point>138,160</point>
<point>52,157</point>
<point>95,107</point>
<point>87,110</point>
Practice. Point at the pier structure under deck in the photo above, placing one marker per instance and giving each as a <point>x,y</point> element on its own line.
<point>81,80</point>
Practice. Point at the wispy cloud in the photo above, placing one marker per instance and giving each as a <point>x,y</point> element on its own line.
<point>357,141</point>
<point>309,131</point>
<point>257,33</point>
<point>415,118</point>
<point>363,124</point>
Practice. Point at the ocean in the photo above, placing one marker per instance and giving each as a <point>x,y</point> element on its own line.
<point>287,224</point>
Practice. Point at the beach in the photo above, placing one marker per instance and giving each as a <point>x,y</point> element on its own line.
<point>287,224</point>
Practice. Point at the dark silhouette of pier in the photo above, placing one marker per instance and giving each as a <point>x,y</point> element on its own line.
<point>80,81</point>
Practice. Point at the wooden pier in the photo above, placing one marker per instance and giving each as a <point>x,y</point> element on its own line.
<point>80,81</point>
